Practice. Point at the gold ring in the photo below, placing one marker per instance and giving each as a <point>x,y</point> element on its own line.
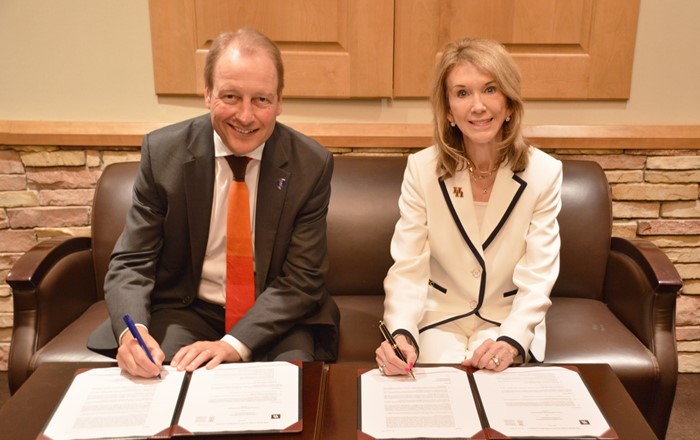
<point>381,369</point>
<point>496,361</point>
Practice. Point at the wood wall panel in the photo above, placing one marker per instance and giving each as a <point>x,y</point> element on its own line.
<point>398,136</point>
<point>331,48</point>
<point>566,49</point>
<point>173,45</point>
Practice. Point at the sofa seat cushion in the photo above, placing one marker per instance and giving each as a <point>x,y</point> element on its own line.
<point>70,344</point>
<point>585,331</point>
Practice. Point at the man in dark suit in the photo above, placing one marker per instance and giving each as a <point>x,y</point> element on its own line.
<point>168,268</point>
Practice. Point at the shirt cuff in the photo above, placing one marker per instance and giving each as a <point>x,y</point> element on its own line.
<point>243,351</point>
<point>121,335</point>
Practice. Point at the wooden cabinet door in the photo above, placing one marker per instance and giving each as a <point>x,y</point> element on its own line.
<point>565,49</point>
<point>330,48</point>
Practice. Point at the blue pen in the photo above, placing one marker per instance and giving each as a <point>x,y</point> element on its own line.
<point>135,333</point>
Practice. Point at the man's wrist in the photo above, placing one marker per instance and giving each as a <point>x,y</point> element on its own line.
<point>243,351</point>
<point>126,330</point>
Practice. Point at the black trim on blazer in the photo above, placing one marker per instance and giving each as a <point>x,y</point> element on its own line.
<point>515,344</point>
<point>455,217</point>
<point>408,335</point>
<point>511,206</point>
<point>510,293</point>
<point>496,323</point>
<point>436,286</point>
<point>465,237</point>
<point>445,321</point>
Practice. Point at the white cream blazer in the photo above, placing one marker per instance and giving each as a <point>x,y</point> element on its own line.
<point>447,266</point>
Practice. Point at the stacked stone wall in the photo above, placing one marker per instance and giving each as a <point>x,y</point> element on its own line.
<point>47,192</point>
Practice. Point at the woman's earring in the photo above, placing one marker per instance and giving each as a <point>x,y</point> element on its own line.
<point>452,124</point>
<point>508,119</point>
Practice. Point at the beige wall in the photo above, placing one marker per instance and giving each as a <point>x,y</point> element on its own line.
<point>90,60</point>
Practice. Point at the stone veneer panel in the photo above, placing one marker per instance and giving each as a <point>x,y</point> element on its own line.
<point>655,193</point>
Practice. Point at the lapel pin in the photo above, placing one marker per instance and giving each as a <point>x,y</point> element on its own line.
<point>457,190</point>
<point>281,183</point>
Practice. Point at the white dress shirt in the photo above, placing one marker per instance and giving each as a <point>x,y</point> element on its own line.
<point>212,287</point>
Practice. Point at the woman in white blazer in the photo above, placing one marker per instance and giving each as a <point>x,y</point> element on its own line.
<point>476,249</point>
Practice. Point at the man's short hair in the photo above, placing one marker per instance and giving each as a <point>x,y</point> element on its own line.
<point>248,41</point>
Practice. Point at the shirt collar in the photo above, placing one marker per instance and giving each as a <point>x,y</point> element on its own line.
<point>221,150</point>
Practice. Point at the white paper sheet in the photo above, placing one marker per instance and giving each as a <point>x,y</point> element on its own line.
<point>438,404</point>
<point>539,402</point>
<point>106,403</point>
<point>242,397</point>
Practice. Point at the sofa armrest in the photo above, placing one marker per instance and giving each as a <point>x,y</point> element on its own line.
<point>52,285</point>
<point>641,285</point>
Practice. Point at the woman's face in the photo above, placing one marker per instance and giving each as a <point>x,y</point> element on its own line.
<point>476,105</point>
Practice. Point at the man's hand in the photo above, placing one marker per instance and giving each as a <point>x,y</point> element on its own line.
<point>213,353</point>
<point>132,359</point>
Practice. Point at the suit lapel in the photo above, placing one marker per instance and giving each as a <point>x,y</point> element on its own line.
<point>199,189</point>
<point>272,191</point>
<point>505,194</point>
<point>460,194</point>
<point>457,194</point>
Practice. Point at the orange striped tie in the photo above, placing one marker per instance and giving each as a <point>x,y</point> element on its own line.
<point>240,279</point>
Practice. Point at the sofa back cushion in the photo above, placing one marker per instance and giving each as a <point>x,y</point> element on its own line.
<point>113,197</point>
<point>585,223</point>
<point>364,209</point>
<point>363,212</point>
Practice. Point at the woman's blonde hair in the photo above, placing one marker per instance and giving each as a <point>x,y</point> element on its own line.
<point>492,58</point>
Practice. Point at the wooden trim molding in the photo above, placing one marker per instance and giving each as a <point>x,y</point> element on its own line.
<point>76,134</point>
<point>123,134</point>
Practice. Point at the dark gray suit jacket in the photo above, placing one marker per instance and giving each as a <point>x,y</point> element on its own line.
<point>157,261</point>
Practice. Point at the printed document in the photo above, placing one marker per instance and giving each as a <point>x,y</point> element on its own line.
<point>104,402</point>
<point>231,398</point>
<point>452,402</point>
<point>539,402</point>
<point>437,404</point>
<point>251,397</point>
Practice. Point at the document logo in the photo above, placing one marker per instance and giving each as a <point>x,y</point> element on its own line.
<point>276,416</point>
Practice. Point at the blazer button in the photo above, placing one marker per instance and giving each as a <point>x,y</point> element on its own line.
<point>186,300</point>
<point>476,273</point>
<point>472,304</point>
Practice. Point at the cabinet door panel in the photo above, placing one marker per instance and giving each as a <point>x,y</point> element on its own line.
<point>566,49</point>
<point>331,48</point>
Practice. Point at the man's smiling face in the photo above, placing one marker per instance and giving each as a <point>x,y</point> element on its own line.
<point>243,101</point>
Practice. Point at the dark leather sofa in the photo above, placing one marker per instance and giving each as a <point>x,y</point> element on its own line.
<point>613,303</point>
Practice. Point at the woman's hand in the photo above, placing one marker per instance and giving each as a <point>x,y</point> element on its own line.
<point>492,355</point>
<point>389,363</point>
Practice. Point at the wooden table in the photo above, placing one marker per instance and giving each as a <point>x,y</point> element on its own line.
<point>24,415</point>
<point>329,403</point>
<point>339,420</point>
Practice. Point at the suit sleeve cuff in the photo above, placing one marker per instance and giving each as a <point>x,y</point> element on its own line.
<point>243,351</point>
<point>121,335</point>
<point>410,338</point>
<point>514,343</point>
